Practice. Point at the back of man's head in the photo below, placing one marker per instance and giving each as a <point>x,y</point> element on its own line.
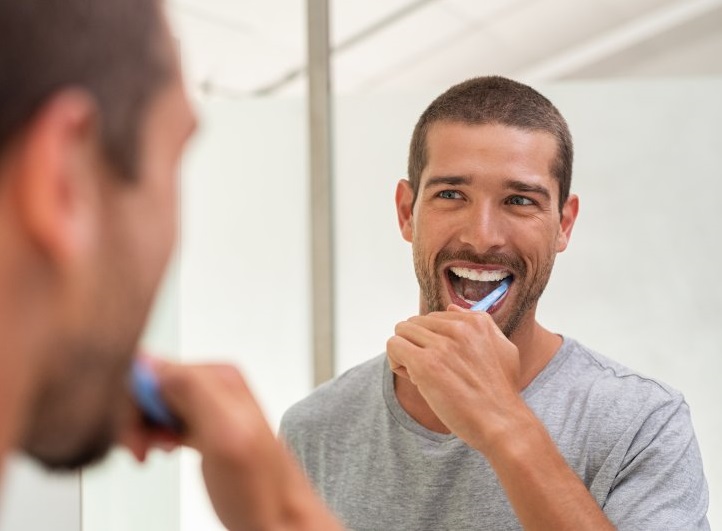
<point>112,49</point>
<point>495,100</point>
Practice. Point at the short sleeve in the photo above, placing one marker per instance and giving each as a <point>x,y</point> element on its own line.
<point>661,484</point>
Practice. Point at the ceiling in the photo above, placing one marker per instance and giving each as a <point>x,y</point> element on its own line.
<point>257,47</point>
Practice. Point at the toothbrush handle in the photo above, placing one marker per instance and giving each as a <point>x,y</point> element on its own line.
<point>487,302</point>
<point>144,386</point>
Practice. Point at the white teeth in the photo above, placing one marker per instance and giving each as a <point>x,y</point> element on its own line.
<point>480,275</point>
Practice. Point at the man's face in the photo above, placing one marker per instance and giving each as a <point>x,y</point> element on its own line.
<point>487,208</point>
<point>79,411</point>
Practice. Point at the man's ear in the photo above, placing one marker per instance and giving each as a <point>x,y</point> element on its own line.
<point>404,209</point>
<point>57,192</point>
<point>568,217</point>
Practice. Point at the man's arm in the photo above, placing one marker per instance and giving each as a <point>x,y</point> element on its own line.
<point>468,373</point>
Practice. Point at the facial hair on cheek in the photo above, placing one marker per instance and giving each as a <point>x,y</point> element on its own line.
<point>528,297</point>
<point>75,418</point>
<point>101,358</point>
<point>428,283</point>
<point>92,452</point>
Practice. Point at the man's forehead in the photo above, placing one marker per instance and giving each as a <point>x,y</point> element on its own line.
<point>456,131</point>
<point>446,140</point>
<point>469,153</point>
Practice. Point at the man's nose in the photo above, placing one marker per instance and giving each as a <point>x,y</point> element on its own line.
<point>483,228</point>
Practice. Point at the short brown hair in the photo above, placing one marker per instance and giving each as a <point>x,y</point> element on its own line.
<point>113,49</point>
<point>494,99</point>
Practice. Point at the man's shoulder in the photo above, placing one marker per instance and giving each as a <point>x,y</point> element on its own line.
<point>353,390</point>
<point>601,380</point>
<point>585,397</point>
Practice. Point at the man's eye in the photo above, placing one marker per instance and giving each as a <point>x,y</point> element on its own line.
<point>520,200</point>
<point>449,194</point>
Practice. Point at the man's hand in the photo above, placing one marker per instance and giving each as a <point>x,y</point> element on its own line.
<point>252,480</point>
<point>465,369</point>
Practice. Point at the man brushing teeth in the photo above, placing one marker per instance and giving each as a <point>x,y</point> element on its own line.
<point>487,420</point>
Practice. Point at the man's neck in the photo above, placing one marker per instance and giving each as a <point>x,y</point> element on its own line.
<point>537,347</point>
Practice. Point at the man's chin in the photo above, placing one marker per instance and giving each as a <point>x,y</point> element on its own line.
<point>89,454</point>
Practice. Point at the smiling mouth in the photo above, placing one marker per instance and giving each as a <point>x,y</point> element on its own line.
<point>472,285</point>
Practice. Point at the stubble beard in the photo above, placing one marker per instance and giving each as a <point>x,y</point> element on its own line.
<point>432,286</point>
<point>74,419</point>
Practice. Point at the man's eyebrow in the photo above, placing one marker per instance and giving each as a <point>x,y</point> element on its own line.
<point>448,180</point>
<point>521,186</point>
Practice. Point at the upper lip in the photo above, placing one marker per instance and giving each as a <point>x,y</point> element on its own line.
<point>480,267</point>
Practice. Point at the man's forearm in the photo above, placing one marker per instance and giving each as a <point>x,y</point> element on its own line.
<point>543,490</point>
<point>305,511</point>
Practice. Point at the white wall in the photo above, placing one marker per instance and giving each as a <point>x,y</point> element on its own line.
<point>244,260</point>
<point>640,280</point>
<point>35,500</point>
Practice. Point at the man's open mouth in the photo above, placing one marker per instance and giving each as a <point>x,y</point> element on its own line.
<point>471,285</point>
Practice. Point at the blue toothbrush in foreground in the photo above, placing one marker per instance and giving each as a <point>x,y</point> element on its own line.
<point>144,385</point>
<point>487,302</point>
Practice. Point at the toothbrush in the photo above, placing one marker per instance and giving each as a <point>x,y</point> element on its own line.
<point>492,298</point>
<point>144,386</point>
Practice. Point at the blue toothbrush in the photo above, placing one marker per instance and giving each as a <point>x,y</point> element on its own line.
<point>487,302</point>
<point>144,385</point>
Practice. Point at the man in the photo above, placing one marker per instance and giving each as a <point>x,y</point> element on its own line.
<point>487,420</point>
<point>93,120</point>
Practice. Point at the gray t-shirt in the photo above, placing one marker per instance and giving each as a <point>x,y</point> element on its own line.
<point>629,438</point>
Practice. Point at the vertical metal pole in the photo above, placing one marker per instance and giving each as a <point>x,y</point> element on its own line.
<point>322,262</point>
